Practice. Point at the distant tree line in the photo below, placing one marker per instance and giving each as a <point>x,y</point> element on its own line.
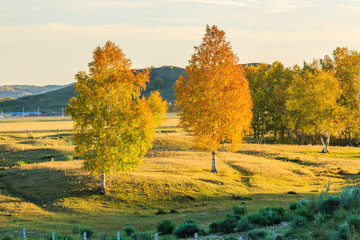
<point>307,104</point>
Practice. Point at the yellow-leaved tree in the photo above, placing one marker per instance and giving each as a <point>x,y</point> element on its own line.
<point>214,96</point>
<point>113,125</point>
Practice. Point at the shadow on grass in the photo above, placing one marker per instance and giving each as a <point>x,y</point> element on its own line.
<point>44,186</point>
<point>10,157</point>
<point>273,156</point>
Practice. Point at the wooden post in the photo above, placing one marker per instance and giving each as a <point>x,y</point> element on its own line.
<point>24,233</point>
<point>118,236</point>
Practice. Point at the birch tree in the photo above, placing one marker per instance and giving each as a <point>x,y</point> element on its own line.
<point>313,106</point>
<point>214,96</point>
<point>113,125</point>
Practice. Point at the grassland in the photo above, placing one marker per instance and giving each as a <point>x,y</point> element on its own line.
<point>43,188</point>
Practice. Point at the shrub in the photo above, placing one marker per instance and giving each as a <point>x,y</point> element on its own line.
<point>57,237</point>
<point>344,231</point>
<point>256,234</point>
<point>19,163</point>
<point>160,212</point>
<point>186,229</point>
<point>129,230</point>
<point>75,229</point>
<point>293,206</point>
<point>244,225</point>
<point>305,212</point>
<point>7,237</point>
<point>240,210</point>
<point>258,219</point>
<point>166,226</point>
<point>298,222</point>
<point>158,83</point>
<point>350,197</point>
<point>225,226</point>
<point>141,236</point>
<point>329,205</point>
<point>89,231</point>
<point>354,222</point>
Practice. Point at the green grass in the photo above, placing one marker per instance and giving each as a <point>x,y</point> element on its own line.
<point>50,191</point>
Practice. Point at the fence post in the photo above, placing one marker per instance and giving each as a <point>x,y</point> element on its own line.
<point>57,132</point>
<point>118,236</point>
<point>156,236</point>
<point>196,236</point>
<point>24,233</point>
<point>84,235</point>
<point>53,235</point>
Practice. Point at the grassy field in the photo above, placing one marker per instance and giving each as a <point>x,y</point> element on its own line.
<point>43,188</point>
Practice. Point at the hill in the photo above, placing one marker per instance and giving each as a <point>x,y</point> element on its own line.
<point>16,91</point>
<point>162,79</point>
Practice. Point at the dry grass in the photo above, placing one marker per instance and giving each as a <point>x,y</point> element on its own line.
<point>49,190</point>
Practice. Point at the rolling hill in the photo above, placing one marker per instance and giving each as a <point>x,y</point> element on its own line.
<point>54,101</point>
<point>16,91</point>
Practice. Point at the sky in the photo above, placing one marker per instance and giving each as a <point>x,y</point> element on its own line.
<point>47,42</point>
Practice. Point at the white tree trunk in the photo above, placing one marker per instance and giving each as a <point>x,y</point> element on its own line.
<point>325,143</point>
<point>102,184</point>
<point>213,168</point>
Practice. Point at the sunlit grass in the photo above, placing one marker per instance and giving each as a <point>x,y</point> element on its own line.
<point>50,191</point>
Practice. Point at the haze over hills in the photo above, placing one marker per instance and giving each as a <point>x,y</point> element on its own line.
<point>162,79</point>
<point>16,91</point>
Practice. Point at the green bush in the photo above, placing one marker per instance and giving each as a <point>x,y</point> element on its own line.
<point>329,205</point>
<point>166,226</point>
<point>226,225</point>
<point>57,237</point>
<point>141,236</point>
<point>129,230</point>
<point>256,234</point>
<point>89,231</point>
<point>305,212</point>
<point>240,210</point>
<point>158,83</point>
<point>244,225</point>
<point>298,222</point>
<point>300,204</point>
<point>354,222</point>
<point>7,237</point>
<point>258,219</point>
<point>186,229</point>
<point>293,206</point>
<point>350,197</point>
<point>75,229</point>
<point>19,163</point>
<point>344,231</point>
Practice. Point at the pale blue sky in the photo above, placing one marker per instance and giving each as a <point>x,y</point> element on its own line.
<point>48,42</point>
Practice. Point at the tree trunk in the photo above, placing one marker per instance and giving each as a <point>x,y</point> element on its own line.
<point>102,184</point>
<point>326,143</point>
<point>213,169</point>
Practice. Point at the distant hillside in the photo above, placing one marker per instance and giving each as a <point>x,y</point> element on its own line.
<point>15,91</point>
<point>162,79</point>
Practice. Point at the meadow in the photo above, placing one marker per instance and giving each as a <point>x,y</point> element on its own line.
<point>43,188</point>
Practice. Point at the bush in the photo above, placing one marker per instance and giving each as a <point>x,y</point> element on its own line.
<point>141,236</point>
<point>293,206</point>
<point>298,222</point>
<point>75,229</point>
<point>19,163</point>
<point>244,225</point>
<point>225,226</point>
<point>166,226</point>
<point>7,237</point>
<point>350,197</point>
<point>354,222</point>
<point>329,205</point>
<point>344,231</point>
<point>57,237</point>
<point>305,212</point>
<point>89,231</point>
<point>256,234</point>
<point>240,210</point>
<point>186,229</point>
<point>129,230</point>
<point>258,219</point>
<point>158,83</point>
<point>300,204</point>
